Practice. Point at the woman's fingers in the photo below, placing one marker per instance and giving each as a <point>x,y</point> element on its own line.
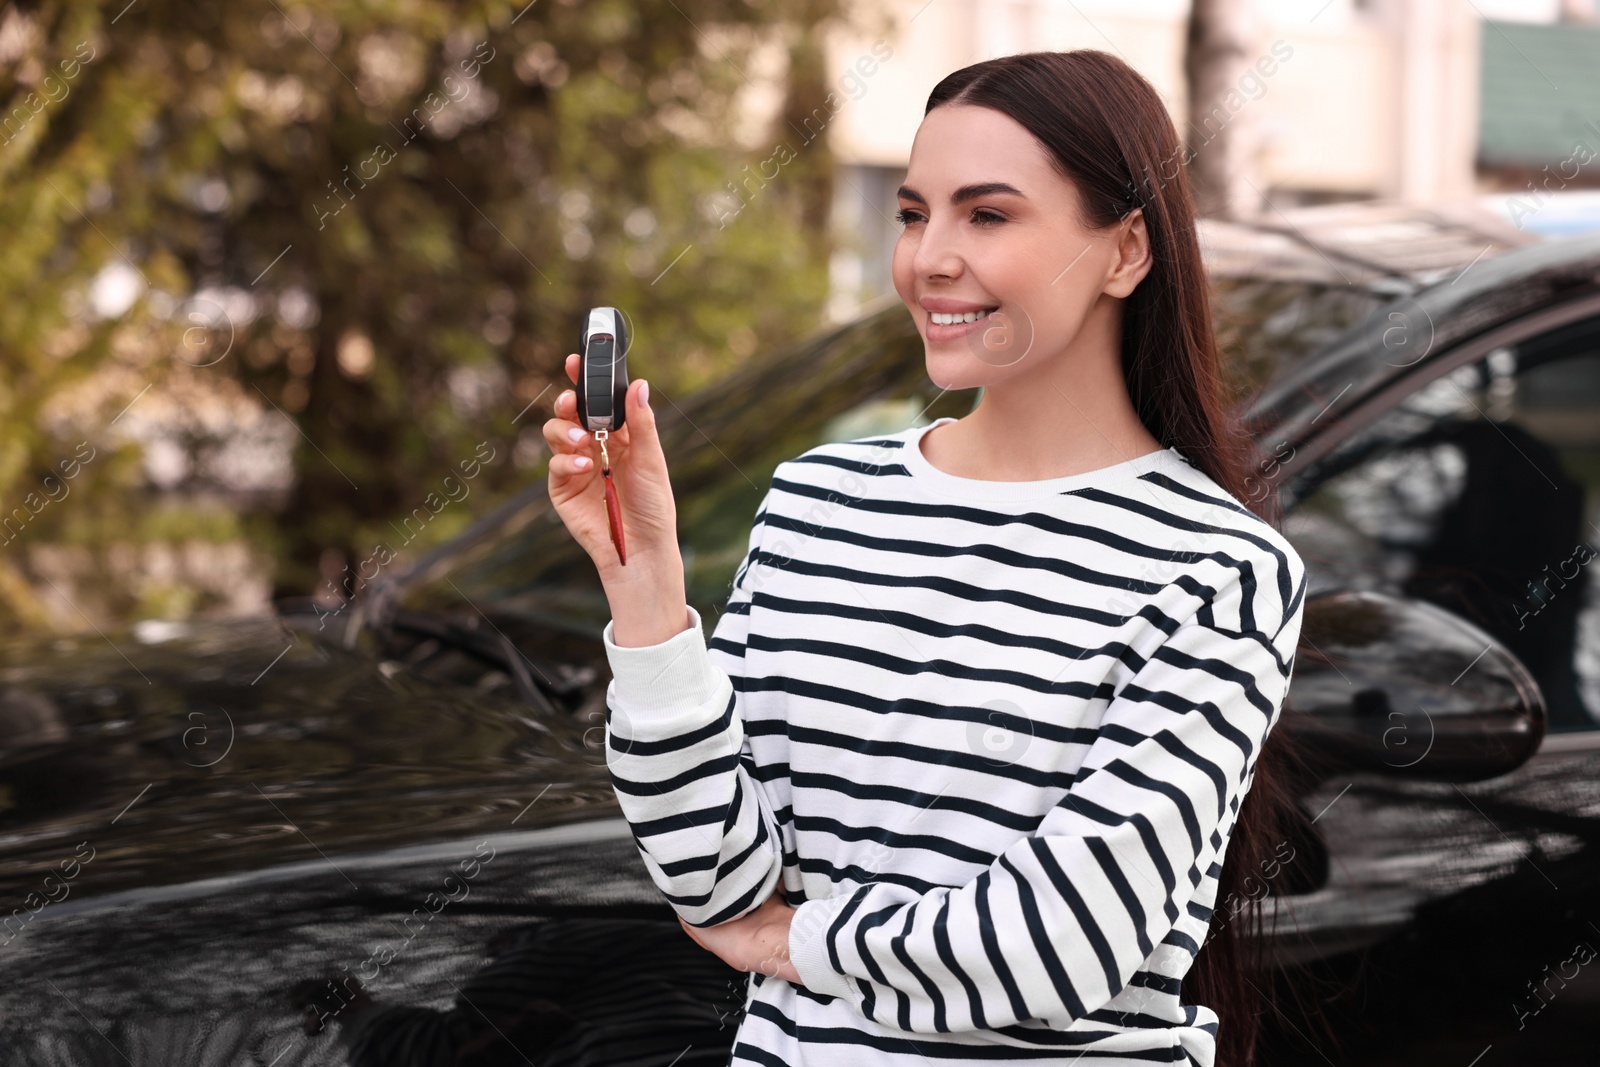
<point>566,468</point>
<point>569,441</point>
<point>639,429</point>
<point>558,432</point>
<point>564,435</point>
<point>568,482</point>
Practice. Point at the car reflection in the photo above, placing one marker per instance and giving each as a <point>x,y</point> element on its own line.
<point>492,951</point>
<point>1392,685</point>
<point>556,992</point>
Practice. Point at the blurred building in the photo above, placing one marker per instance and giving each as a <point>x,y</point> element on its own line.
<point>1415,102</point>
<point>1539,123</point>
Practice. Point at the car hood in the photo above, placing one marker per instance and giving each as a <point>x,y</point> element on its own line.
<point>183,754</point>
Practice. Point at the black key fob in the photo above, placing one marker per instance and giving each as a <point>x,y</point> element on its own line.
<point>603,373</point>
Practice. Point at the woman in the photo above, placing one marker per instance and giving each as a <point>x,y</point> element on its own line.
<point>988,693</point>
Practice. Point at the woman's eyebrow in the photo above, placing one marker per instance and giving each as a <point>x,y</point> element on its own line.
<point>966,192</point>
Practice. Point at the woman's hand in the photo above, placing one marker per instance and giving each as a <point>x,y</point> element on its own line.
<point>757,942</point>
<point>647,598</point>
<point>638,470</point>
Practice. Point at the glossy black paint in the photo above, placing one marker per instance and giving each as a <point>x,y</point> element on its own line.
<point>1402,687</point>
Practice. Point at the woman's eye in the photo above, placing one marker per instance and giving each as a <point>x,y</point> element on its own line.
<point>980,217</point>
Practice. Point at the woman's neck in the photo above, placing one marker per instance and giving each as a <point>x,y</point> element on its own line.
<point>1074,415</point>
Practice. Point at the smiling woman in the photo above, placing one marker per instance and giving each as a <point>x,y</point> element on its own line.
<point>965,761</point>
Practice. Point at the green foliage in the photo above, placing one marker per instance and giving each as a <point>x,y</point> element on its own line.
<point>451,184</point>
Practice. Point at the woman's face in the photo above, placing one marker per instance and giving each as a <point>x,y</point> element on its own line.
<point>990,224</point>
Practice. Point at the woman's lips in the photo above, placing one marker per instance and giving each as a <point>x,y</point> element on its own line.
<point>955,331</point>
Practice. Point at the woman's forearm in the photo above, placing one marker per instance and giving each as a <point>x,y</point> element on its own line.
<point>647,598</point>
<point>672,728</point>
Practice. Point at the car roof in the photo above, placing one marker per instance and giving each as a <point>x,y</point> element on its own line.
<point>1407,332</point>
<point>1377,245</point>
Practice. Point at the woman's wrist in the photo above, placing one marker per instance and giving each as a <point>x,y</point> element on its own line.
<point>647,598</point>
<point>773,940</point>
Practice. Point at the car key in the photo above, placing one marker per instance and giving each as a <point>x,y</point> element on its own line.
<point>602,397</point>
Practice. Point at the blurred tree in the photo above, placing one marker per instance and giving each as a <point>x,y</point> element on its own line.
<point>381,221</point>
<point>1222,130</point>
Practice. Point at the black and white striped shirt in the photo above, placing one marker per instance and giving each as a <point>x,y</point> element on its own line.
<point>991,737</point>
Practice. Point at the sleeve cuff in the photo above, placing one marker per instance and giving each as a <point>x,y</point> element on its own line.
<point>661,683</point>
<point>808,947</point>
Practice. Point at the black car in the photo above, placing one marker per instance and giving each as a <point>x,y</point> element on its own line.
<point>229,843</point>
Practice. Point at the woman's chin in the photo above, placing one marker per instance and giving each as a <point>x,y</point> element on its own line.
<point>954,373</point>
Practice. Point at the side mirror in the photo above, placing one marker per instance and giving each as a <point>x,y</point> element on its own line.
<point>1406,688</point>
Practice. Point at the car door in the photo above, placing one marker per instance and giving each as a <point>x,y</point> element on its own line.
<point>1473,486</point>
<point>1479,491</point>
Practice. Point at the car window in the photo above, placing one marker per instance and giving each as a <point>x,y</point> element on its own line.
<point>1266,326</point>
<point>1480,492</point>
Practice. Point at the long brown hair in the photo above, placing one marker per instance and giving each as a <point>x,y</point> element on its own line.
<point>1109,133</point>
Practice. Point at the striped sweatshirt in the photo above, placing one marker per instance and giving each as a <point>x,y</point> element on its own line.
<point>989,739</point>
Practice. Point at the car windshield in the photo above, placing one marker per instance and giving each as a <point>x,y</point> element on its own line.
<point>725,441</point>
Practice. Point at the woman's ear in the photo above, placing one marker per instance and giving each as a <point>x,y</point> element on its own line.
<point>1132,259</point>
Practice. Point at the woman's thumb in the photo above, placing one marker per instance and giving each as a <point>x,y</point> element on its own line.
<point>640,415</point>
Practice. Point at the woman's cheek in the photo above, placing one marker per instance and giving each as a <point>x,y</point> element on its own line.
<point>900,270</point>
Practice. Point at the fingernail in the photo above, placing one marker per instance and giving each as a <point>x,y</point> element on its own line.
<point>582,463</point>
<point>575,434</point>
<point>644,394</point>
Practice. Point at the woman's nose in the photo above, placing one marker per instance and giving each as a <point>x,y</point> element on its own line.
<point>937,256</point>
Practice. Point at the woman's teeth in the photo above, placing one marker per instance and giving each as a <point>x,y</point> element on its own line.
<point>942,319</point>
